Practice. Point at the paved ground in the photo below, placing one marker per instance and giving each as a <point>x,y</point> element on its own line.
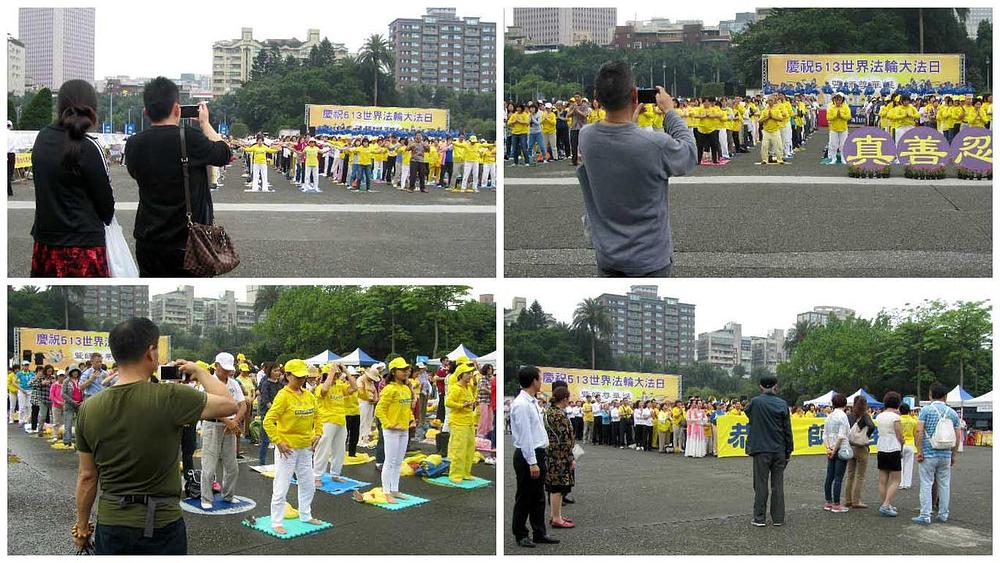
<point>333,234</point>
<point>746,220</point>
<point>41,510</point>
<point>632,502</point>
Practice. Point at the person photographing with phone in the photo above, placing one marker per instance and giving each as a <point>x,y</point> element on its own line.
<point>625,177</point>
<point>154,161</point>
<point>128,443</point>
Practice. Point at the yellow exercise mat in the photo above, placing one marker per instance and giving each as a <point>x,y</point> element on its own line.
<point>431,433</point>
<point>62,446</point>
<point>359,459</point>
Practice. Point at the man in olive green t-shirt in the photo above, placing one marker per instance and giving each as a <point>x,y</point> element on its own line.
<point>128,439</point>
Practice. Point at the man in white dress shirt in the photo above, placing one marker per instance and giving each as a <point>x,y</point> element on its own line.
<point>530,441</point>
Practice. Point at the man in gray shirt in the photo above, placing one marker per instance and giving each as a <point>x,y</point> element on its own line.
<point>579,112</point>
<point>625,177</point>
<point>418,168</point>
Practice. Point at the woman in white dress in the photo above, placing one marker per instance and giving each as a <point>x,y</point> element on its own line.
<point>696,420</point>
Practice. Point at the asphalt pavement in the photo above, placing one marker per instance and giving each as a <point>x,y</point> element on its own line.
<point>41,509</point>
<point>334,234</point>
<point>646,503</point>
<point>743,219</point>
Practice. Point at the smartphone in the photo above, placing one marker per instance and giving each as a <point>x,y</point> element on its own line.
<point>189,111</point>
<point>647,95</point>
<point>169,372</point>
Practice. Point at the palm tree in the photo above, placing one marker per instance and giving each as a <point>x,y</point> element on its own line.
<point>71,293</point>
<point>377,53</point>
<point>267,297</point>
<point>592,317</point>
<point>797,335</point>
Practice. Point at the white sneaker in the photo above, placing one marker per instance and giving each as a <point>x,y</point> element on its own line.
<point>206,505</point>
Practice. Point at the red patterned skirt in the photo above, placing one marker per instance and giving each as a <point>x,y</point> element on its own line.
<point>69,261</point>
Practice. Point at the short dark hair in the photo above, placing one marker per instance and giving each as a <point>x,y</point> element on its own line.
<point>904,408</point>
<point>559,385</point>
<point>159,97</point>
<point>938,391</point>
<point>443,359</point>
<point>558,394</point>
<point>768,381</point>
<point>839,401</point>
<point>891,400</point>
<point>614,84</point>
<point>527,375</point>
<point>130,339</point>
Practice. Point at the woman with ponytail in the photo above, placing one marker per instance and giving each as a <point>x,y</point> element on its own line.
<point>73,196</point>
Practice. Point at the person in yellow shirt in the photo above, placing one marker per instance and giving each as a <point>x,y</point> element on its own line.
<point>488,155</point>
<point>403,149</point>
<point>904,116</point>
<point>974,115</point>
<point>733,124</point>
<point>258,165</point>
<point>908,424</point>
<point>310,155</point>
<point>772,118</point>
<point>395,413</point>
<point>331,398</point>
<point>549,132</point>
<point>352,412</point>
<point>946,118</point>
<point>677,422</point>
<point>645,120</point>
<point>658,117</point>
<point>588,417</point>
<point>462,423</point>
<point>293,424</point>
<point>885,120</point>
<point>692,115</point>
<point>433,159</point>
<point>520,123</point>
<point>838,114</point>
<point>12,396</point>
<point>709,123</point>
<point>470,159</point>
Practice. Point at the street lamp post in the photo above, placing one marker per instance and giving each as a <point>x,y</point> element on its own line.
<point>664,65</point>
<point>111,109</point>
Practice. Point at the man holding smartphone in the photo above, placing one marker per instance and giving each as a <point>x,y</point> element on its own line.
<point>625,177</point>
<point>128,439</point>
<point>153,159</point>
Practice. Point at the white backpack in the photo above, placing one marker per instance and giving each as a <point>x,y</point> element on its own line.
<point>944,434</point>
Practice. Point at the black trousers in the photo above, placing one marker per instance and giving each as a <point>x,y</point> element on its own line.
<point>11,160</point>
<point>562,141</point>
<point>189,443</point>
<point>353,427</point>
<point>160,261</point>
<point>640,436</point>
<point>708,142</point>
<point>577,428</point>
<point>448,168</point>
<point>574,144</point>
<point>629,425</point>
<point>126,540</point>
<point>529,498</point>
<point>388,170</point>
<point>769,467</point>
<point>418,175</point>
<point>34,417</point>
<point>345,169</point>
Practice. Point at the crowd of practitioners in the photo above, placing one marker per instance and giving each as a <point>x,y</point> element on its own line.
<point>548,131</point>
<point>547,433</point>
<point>408,163</point>
<point>312,416</point>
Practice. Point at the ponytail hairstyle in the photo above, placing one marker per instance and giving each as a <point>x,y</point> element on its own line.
<point>77,107</point>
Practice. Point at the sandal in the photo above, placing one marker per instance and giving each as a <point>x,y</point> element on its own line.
<point>564,524</point>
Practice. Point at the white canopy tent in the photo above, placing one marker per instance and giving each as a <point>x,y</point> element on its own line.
<point>490,358</point>
<point>324,357</point>
<point>823,400</point>
<point>983,403</point>
<point>461,351</point>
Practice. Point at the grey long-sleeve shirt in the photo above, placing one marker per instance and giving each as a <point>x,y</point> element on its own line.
<point>625,188</point>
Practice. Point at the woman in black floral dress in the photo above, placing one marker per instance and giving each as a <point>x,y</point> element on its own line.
<point>560,464</point>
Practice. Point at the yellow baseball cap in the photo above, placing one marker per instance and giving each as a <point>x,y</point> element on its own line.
<point>462,359</point>
<point>325,369</point>
<point>297,367</point>
<point>240,356</point>
<point>473,138</point>
<point>203,365</point>
<point>463,368</point>
<point>244,367</point>
<point>398,363</point>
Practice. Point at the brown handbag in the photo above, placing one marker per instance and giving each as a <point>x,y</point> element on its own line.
<point>209,251</point>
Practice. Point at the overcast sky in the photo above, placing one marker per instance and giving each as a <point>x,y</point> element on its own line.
<point>758,304</point>
<point>126,45</point>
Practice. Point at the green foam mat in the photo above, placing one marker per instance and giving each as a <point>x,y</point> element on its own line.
<point>294,527</point>
<point>444,481</point>
<point>409,501</point>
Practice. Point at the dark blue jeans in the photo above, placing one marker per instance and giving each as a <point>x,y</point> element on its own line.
<point>835,468</point>
<point>380,446</point>
<point>265,443</point>
<point>519,147</point>
<point>125,540</point>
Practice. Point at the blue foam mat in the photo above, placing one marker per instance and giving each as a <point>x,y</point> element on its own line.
<point>217,503</point>
<point>409,501</point>
<point>293,527</point>
<point>445,481</point>
<point>335,488</point>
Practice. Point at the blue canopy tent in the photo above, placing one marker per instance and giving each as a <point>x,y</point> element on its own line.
<point>323,357</point>
<point>872,401</point>
<point>358,358</point>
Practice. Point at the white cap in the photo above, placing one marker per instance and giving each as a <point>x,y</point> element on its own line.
<point>421,365</point>
<point>379,366</point>
<point>352,370</point>
<point>226,361</point>
<point>548,105</point>
<point>25,363</point>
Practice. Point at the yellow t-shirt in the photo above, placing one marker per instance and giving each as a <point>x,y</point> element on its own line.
<point>459,414</point>
<point>904,116</point>
<point>259,153</point>
<point>351,405</point>
<point>470,151</point>
<point>394,406</point>
<point>773,118</point>
<point>548,123</point>
<point>11,382</point>
<point>588,412</point>
<point>331,405</point>
<point>678,414</point>
<point>519,123</point>
<point>908,424</point>
<point>646,116</point>
<point>596,115</point>
<point>694,115</point>
<point>293,418</point>
<point>837,117</point>
<point>312,156</point>
<point>711,121</point>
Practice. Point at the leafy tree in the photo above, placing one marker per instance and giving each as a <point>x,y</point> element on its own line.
<point>267,296</point>
<point>376,53</point>
<point>591,317</point>
<point>12,112</point>
<point>969,329</point>
<point>38,112</point>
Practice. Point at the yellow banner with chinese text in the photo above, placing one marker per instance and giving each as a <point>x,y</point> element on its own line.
<point>864,69</point>
<point>377,117</point>
<point>613,384</point>
<point>22,160</point>
<point>63,348</point>
<point>807,436</point>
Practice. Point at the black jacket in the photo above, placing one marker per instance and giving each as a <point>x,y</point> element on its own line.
<point>770,428</point>
<point>70,209</point>
<point>154,160</point>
